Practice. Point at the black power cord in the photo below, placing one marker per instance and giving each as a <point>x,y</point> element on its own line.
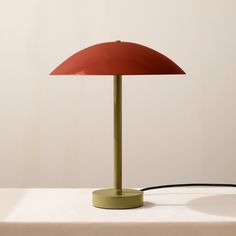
<point>188,185</point>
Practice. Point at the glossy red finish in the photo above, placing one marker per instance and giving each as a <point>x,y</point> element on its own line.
<point>117,58</point>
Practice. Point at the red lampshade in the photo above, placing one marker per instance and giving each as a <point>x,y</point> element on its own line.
<point>117,58</point>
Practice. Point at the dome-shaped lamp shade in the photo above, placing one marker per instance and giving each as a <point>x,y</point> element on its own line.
<point>117,58</point>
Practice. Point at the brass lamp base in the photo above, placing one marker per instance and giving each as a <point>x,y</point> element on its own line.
<point>109,199</point>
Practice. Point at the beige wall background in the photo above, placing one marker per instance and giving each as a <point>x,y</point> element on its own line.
<point>58,131</point>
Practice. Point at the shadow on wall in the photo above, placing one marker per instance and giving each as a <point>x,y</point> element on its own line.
<point>9,198</point>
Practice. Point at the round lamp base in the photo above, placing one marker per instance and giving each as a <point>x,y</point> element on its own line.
<point>109,199</point>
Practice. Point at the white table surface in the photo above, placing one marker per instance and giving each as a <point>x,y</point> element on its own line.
<point>173,211</point>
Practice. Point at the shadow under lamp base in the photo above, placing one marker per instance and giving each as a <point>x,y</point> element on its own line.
<point>111,199</point>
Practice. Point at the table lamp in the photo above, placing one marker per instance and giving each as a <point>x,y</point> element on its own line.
<point>117,59</point>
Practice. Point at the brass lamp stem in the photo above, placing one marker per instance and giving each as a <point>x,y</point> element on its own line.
<point>118,134</point>
<point>117,197</point>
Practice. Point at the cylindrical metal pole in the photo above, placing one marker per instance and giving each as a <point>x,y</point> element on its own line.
<point>116,197</point>
<point>118,133</point>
